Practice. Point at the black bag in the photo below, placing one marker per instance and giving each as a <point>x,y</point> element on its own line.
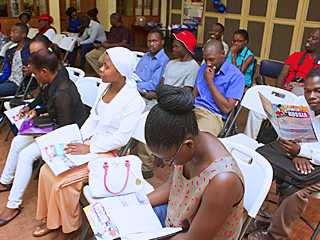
<point>43,122</point>
<point>267,135</point>
<point>16,102</point>
<point>284,170</point>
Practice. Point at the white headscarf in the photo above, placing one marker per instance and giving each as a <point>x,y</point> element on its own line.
<point>125,62</point>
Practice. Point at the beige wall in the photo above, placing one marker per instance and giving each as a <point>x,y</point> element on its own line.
<point>55,13</point>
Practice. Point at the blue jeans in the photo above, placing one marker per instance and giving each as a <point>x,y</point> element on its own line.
<point>161,212</point>
<point>8,88</point>
<point>85,48</point>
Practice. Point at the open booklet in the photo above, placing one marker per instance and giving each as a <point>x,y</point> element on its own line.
<point>14,116</point>
<point>290,122</point>
<point>52,147</point>
<point>127,216</point>
<point>24,125</point>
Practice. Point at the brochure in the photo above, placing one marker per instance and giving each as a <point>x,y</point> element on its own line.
<point>52,147</point>
<point>127,216</point>
<point>290,122</point>
<point>14,116</point>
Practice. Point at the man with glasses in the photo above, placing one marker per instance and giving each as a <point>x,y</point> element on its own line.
<point>218,87</point>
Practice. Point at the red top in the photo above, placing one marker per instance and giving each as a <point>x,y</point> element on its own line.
<point>43,30</point>
<point>304,68</point>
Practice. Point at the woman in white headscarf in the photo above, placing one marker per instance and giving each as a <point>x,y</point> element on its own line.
<point>110,125</point>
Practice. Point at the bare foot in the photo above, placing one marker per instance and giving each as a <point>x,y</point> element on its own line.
<point>8,213</point>
<point>66,236</point>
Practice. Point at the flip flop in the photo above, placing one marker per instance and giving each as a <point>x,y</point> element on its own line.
<point>7,187</point>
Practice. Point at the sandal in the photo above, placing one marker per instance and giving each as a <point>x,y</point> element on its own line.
<point>7,187</point>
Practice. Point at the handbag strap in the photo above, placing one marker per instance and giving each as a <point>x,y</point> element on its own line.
<point>116,155</point>
<point>105,166</point>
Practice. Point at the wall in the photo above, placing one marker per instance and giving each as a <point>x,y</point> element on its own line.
<point>275,29</point>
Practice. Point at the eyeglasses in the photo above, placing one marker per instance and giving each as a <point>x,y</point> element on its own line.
<point>170,161</point>
<point>238,41</point>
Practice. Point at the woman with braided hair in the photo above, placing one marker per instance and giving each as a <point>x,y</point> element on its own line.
<point>205,195</point>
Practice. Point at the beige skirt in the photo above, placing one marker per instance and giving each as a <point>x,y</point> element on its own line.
<point>58,197</point>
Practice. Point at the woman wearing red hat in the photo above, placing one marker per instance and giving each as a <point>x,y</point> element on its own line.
<point>45,28</point>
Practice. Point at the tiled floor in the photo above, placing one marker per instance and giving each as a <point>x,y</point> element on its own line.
<point>21,228</point>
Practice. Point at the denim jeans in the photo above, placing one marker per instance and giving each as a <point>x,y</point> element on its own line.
<point>85,48</point>
<point>161,212</point>
<point>8,88</point>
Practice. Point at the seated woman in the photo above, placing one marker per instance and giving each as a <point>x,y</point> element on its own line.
<point>205,195</point>
<point>45,28</point>
<point>240,56</point>
<point>37,43</point>
<point>74,20</point>
<point>64,106</point>
<point>25,18</point>
<point>110,125</point>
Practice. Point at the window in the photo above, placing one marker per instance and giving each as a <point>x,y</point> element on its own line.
<point>13,8</point>
<point>138,7</point>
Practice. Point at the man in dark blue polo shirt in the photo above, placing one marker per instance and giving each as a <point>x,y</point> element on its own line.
<point>218,87</point>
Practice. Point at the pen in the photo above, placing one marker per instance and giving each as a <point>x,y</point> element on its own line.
<point>25,104</point>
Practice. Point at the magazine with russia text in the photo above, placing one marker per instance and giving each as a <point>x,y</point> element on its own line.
<point>290,122</point>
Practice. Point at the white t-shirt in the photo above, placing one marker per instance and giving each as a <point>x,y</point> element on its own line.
<point>16,68</point>
<point>181,74</point>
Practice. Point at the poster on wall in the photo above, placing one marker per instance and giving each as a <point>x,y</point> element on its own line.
<point>193,12</point>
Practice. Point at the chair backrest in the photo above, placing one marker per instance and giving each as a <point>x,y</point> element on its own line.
<point>75,74</point>
<point>257,176</point>
<point>5,48</point>
<point>138,133</point>
<point>57,38</point>
<point>32,32</point>
<point>255,62</point>
<point>88,89</point>
<point>251,99</point>
<point>138,55</point>
<point>67,43</point>
<point>270,68</point>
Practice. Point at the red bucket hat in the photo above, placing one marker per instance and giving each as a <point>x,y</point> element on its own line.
<point>187,39</point>
<point>46,17</point>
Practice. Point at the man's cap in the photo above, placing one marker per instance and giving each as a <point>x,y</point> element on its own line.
<point>46,17</point>
<point>187,39</point>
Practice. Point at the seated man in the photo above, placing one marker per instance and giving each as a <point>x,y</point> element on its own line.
<point>218,87</point>
<point>291,69</point>
<point>46,29</point>
<point>15,60</point>
<point>304,156</point>
<point>310,60</point>
<point>117,37</point>
<point>216,33</point>
<point>93,33</point>
<point>181,72</point>
<point>151,66</point>
<point>150,70</point>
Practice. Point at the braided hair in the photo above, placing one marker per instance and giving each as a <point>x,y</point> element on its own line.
<point>172,119</point>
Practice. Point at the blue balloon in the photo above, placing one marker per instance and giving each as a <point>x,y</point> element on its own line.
<point>216,3</point>
<point>221,8</point>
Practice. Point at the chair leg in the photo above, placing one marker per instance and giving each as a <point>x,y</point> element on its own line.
<point>244,227</point>
<point>85,231</point>
<point>6,139</point>
<point>315,233</point>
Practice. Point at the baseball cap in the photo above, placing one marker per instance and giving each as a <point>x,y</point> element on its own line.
<point>187,39</point>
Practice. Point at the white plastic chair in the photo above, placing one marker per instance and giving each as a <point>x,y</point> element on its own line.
<point>138,55</point>
<point>3,53</point>
<point>67,44</point>
<point>251,100</point>
<point>32,32</point>
<point>75,74</point>
<point>257,179</point>
<point>57,38</point>
<point>88,89</point>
